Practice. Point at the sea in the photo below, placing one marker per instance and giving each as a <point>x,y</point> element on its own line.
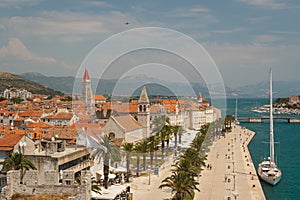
<point>287,148</point>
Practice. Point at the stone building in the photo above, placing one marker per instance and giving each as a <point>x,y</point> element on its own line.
<point>55,156</point>
<point>31,184</point>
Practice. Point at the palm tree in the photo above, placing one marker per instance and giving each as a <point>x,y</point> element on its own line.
<point>186,167</point>
<point>108,151</point>
<point>137,150</point>
<point>144,148</point>
<point>17,161</point>
<point>228,121</point>
<point>180,131</point>
<point>162,137</point>
<point>168,129</point>
<point>153,142</point>
<point>128,148</point>
<point>181,184</point>
<point>175,130</point>
<point>193,157</point>
<point>198,141</point>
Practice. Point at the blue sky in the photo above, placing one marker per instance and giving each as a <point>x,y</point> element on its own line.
<point>244,37</point>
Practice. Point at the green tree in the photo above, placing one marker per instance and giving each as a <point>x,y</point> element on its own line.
<point>153,142</point>
<point>144,148</point>
<point>198,141</point>
<point>228,121</point>
<point>175,129</point>
<point>16,100</point>
<point>107,151</point>
<point>128,148</point>
<point>193,157</point>
<point>137,150</point>
<point>181,184</point>
<point>17,161</point>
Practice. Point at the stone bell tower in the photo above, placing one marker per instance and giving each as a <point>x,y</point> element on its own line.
<point>144,112</point>
<point>87,95</point>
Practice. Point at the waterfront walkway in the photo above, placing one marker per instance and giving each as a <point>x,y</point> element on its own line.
<point>233,175</point>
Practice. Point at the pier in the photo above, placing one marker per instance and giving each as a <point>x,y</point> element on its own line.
<point>266,118</point>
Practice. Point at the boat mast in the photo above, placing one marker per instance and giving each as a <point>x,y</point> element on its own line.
<point>271,122</point>
<point>236,118</point>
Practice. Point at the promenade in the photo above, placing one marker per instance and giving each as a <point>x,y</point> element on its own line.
<point>233,175</point>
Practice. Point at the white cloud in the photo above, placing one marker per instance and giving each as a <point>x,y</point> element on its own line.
<point>228,31</point>
<point>69,26</point>
<point>243,63</point>
<point>18,3</point>
<point>199,9</point>
<point>259,20</point>
<point>266,39</point>
<point>272,4</point>
<point>17,50</point>
<point>56,24</point>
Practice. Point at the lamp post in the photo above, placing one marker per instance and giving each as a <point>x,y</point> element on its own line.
<point>233,174</point>
<point>149,171</point>
<point>235,194</point>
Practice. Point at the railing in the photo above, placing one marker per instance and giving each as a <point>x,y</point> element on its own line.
<point>260,119</point>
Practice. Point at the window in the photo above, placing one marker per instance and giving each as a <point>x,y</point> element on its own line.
<point>68,182</point>
<point>112,135</point>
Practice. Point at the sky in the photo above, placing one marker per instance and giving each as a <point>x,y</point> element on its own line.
<point>244,38</point>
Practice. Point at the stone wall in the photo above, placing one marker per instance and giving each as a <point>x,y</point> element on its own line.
<point>30,185</point>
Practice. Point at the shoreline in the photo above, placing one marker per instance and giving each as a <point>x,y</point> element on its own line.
<point>229,157</point>
<point>233,173</point>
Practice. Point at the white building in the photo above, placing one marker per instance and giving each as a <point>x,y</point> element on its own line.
<point>14,92</point>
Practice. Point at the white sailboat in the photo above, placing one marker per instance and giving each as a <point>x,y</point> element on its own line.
<point>268,170</point>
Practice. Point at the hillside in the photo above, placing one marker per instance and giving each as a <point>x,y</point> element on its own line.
<point>8,80</point>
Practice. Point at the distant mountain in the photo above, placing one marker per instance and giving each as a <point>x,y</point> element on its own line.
<point>63,84</point>
<point>280,89</point>
<point>158,87</point>
<point>112,86</point>
<point>8,80</point>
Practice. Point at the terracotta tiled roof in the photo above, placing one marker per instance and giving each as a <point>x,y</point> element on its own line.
<point>128,122</point>
<point>60,116</point>
<point>38,125</point>
<point>120,107</point>
<point>3,102</point>
<point>99,97</point>
<point>10,139</point>
<point>30,114</point>
<point>67,133</point>
<point>117,141</point>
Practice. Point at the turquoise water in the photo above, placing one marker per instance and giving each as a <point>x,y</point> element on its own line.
<point>288,151</point>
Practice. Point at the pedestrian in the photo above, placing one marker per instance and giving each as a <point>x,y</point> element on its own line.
<point>225,178</point>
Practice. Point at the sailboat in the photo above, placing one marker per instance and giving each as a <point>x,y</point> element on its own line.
<point>267,169</point>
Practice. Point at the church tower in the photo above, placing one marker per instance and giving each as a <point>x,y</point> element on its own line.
<point>87,95</point>
<point>144,112</point>
<point>200,99</point>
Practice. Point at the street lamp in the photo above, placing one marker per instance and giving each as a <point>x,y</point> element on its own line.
<point>234,175</point>
<point>235,194</point>
<point>149,171</point>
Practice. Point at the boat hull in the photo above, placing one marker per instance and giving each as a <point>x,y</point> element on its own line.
<point>272,180</point>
